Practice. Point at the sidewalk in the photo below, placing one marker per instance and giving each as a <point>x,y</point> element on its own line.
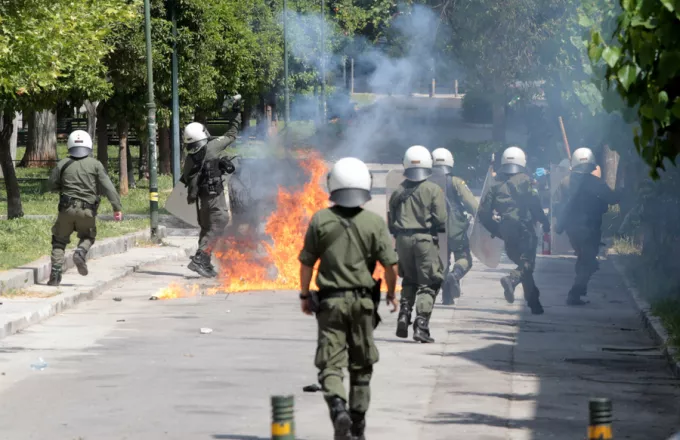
<point>39,301</point>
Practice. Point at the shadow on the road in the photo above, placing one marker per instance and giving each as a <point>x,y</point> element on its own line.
<point>561,359</point>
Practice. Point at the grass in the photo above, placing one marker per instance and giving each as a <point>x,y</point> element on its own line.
<point>668,310</point>
<point>26,240</point>
<point>27,293</point>
<point>363,99</point>
<point>656,287</point>
<point>625,246</point>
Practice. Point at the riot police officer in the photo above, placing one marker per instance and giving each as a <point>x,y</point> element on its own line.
<point>78,179</point>
<point>461,205</point>
<point>580,202</point>
<point>417,213</point>
<point>202,175</point>
<point>348,241</point>
<point>517,206</point>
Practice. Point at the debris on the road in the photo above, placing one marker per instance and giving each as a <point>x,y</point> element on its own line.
<point>153,298</point>
<point>206,330</point>
<point>312,388</point>
<point>228,311</point>
<point>120,320</point>
<point>40,365</point>
<point>118,298</point>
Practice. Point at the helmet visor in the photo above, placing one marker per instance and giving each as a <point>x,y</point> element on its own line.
<point>442,170</point>
<point>79,152</point>
<point>511,168</point>
<point>417,174</point>
<point>585,168</point>
<point>350,197</point>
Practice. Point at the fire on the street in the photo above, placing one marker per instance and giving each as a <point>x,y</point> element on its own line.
<point>247,262</point>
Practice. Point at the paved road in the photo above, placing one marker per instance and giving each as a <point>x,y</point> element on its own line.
<point>140,369</point>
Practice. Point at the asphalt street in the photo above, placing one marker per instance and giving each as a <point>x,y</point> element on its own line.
<point>141,369</point>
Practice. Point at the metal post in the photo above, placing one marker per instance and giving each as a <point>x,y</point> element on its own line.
<point>283,423</point>
<point>176,145</point>
<point>455,87</point>
<point>286,90</point>
<point>351,76</point>
<point>324,116</point>
<point>344,73</point>
<point>151,123</point>
<point>600,425</point>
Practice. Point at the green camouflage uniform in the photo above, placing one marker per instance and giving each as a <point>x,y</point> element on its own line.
<point>345,318</point>
<point>415,220</point>
<point>516,202</point>
<point>79,182</point>
<point>460,202</point>
<point>212,209</point>
<point>580,202</point>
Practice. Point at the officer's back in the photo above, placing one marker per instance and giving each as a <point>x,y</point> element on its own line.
<point>81,178</point>
<point>420,206</point>
<point>589,198</point>
<point>513,197</point>
<point>343,265</point>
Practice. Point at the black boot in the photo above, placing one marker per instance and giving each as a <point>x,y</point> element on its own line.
<point>80,260</point>
<point>509,285</point>
<point>421,330</point>
<point>342,423</point>
<point>448,289</point>
<point>535,304</point>
<point>199,264</point>
<point>55,276</point>
<point>404,320</point>
<point>575,294</point>
<point>358,425</point>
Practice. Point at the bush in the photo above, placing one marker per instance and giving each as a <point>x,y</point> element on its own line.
<point>477,107</point>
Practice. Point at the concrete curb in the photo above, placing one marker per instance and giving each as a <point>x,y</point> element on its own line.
<point>39,270</point>
<point>652,324</point>
<point>63,302</point>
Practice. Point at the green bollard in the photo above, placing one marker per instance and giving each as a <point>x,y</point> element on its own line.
<point>600,425</point>
<point>283,423</point>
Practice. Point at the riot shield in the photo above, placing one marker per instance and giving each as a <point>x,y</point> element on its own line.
<point>559,243</point>
<point>393,181</point>
<point>177,205</point>
<point>487,249</point>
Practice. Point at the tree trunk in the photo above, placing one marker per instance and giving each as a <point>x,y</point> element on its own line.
<point>14,208</point>
<point>103,136</point>
<point>41,150</point>
<point>611,164</point>
<point>164,150</point>
<point>122,157</point>
<point>498,115</point>
<point>91,108</point>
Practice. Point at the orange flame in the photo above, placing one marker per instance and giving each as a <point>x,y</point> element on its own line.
<point>176,290</point>
<point>247,262</point>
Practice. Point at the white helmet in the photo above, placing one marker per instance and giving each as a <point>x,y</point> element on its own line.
<point>417,163</point>
<point>349,183</point>
<point>513,161</point>
<point>443,160</point>
<point>79,144</point>
<point>195,137</point>
<point>583,161</point>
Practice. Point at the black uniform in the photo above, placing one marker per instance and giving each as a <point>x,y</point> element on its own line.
<point>581,201</point>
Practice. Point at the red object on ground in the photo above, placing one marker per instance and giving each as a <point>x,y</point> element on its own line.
<point>546,243</point>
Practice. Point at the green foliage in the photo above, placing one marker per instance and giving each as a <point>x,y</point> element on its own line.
<point>51,50</point>
<point>476,107</point>
<point>643,66</point>
<point>25,240</point>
